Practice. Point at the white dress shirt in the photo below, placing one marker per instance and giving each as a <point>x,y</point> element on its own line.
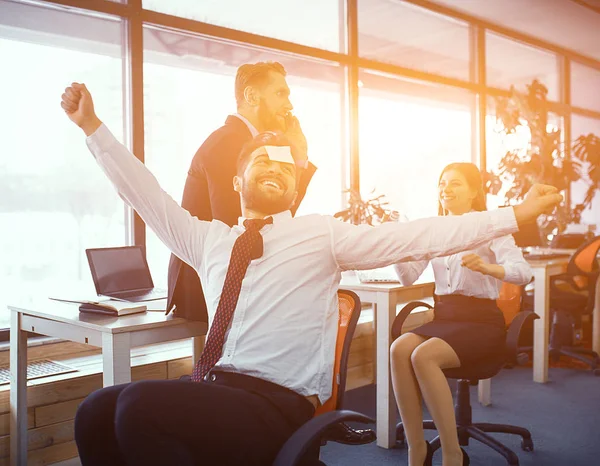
<point>285,324</point>
<point>452,278</point>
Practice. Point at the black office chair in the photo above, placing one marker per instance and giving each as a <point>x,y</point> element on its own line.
<point>572,295</point>
<point>303,447</point>
<point>471,375</point>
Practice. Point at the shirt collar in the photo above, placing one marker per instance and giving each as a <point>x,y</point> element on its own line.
<point>251,127</point>
<point>279,217</point>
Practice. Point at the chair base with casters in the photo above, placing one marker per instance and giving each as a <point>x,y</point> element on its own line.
<point>584,355</point>
<point>470,375</point>
<point>467,429</point>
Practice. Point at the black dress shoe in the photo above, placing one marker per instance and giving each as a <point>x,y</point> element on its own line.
<point>343,433</point>
<point>466,459</point>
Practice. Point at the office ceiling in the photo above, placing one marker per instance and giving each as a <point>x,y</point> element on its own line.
<point>572,24</point>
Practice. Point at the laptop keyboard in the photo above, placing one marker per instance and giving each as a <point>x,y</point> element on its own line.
<point>155,293</point>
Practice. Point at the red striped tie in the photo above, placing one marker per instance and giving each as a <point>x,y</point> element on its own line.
<point>248,246</point>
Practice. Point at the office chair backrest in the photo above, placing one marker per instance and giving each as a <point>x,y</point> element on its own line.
<point>509,301</point>
<point>583,265</point>
<point>585,258</point>
<point>349,312</point>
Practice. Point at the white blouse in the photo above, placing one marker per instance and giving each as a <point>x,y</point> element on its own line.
<point>452,278</point>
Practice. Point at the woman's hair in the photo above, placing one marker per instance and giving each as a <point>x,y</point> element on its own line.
<point>474,181</point>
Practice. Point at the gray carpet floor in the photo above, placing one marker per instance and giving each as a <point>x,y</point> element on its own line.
<point>563,417</point>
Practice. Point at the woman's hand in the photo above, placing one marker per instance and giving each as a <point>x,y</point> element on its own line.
<point>477,264</point>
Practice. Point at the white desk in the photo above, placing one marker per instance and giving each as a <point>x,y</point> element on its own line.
<point>384,298</point>
<point>115,335</point>
<point>542,271</point>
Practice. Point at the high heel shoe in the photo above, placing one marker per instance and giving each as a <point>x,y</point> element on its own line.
<point>429,457</point>
<point>466,459</point>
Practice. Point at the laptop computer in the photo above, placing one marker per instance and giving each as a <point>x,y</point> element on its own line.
<point>381,275</point>
<point>122,273</point>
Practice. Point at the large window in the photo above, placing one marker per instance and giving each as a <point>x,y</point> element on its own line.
<point>408,133</point>
<point>318,23</point>
<point>498,143</point>
<point>188,93</point>
<point>582,126</point>
<point>510,63</point>
<point>585,86</point>
<point>55,201</point>
<point>413,37</point>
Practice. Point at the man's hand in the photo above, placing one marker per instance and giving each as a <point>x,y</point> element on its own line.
<point>79,107</point>
<point>296,136</point>
<point>539,199</point>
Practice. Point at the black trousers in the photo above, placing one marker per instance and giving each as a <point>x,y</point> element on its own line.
<point>228,420</point>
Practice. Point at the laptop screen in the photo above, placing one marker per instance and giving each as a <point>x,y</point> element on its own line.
<point>528,235</point>
<point>119,269</point>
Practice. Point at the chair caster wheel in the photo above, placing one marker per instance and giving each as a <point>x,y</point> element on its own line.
<point>527,444</point>
<point>400,440</point>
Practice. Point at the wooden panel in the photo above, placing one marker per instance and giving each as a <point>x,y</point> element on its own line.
<point>58,412</point>
<point>78,387</point>
<point>179,367</point>
<point>5,421</point>
<point>156,371</point>
<point>359,376</point>
<point>53,350</point>
<point>52,454</point>
<point>42,437</point>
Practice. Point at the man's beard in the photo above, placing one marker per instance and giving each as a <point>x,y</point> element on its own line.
<point>258,201</point>
<point>267,119</point>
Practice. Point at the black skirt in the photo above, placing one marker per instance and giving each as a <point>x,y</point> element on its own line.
<point>473,327</point>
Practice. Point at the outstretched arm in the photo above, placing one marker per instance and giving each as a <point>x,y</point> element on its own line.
<point>176,228</point>
<point>366,247</point>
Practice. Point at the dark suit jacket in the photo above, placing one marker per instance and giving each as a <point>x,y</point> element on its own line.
<point>209,195</point>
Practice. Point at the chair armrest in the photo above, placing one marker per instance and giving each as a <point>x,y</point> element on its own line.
<point>514,331</point>
<point>403,314</point>
<point>564,278</point>
<point>297,445</point>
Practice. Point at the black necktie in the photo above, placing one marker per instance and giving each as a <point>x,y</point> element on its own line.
<point>248,246</point>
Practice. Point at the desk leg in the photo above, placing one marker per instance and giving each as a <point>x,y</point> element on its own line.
<point>197,347</point>
<point>484,391</point>
<point>541,326</point>
<point>18,391</point>
<point>386,412</point>
<point>596,320</point>
<point>116,358</point>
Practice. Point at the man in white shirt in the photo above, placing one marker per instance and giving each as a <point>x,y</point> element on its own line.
<point>276,362</point>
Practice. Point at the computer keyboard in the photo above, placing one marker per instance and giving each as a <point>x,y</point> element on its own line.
<point>382,275</point>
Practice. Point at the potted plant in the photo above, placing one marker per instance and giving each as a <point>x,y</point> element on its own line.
<point>371,211</point>
<point>544,160</point>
